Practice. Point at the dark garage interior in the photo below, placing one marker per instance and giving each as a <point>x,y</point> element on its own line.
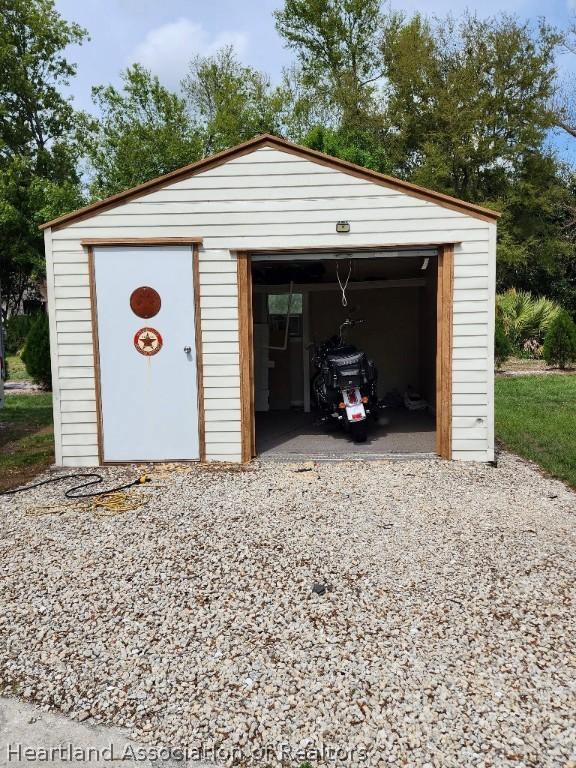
<point>298,302</point>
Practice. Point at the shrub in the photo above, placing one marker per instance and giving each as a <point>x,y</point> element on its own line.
<point>17,329</point>
<point>36,353</point>
<point>532,348</point>
<point>502,346</point>
<point>560,341</point>
<point>525,317</point>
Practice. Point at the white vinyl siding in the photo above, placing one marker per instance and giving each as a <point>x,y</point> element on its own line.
<point>267,199</point>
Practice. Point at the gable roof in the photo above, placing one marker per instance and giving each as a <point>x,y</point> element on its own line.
<point>267,140</point>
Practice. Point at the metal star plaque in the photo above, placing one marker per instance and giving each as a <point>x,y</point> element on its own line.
<point>148,341</point>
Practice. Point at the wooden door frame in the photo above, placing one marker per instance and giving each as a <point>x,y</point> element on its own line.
<point>246,338</point>
<point>444,344</point>
<point>126,242</point>
<point>444,331</point>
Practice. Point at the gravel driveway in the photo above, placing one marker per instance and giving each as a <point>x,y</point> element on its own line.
<point>445,636</point>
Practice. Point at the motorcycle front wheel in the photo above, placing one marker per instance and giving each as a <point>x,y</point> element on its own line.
<point>359,431</point>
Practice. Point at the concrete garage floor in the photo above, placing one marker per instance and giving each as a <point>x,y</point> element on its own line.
<point>297,435</point>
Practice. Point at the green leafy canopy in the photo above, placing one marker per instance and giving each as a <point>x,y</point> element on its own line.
<point>38,145</point>
<point>144,131</point>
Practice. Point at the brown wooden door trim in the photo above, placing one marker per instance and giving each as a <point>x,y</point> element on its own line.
<point>248,424</point>
<point>444,334</point>
<point>139,241</point>
<point>199,353</point>
<point>96,353</point>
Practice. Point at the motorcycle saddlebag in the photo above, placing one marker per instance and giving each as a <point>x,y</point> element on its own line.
<point>348,370</point>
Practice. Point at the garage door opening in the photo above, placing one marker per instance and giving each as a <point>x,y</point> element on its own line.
<point>298,303</point>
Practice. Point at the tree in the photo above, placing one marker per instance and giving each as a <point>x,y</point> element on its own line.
<point>468,99</point>
<point>144,132</point>
<point>304,106</point>
<point>34,116</point>
<point>229,102</point>
<point>560,341</point>
<point>26,200</point>
<point>564,103</point>
<point>536,247</point>
<point>357,146</point>
<point>564,107</point>
<point>38,153</point>
<point>336,45</point>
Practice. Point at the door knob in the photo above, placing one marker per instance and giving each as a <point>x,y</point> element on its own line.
<point>187,350</point>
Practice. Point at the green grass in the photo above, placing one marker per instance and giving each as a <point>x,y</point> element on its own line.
<point>536,418</point>
<point>16,368</point>
<point>26,438</point>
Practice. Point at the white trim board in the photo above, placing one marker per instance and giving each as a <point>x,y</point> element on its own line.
<point>343,255</point>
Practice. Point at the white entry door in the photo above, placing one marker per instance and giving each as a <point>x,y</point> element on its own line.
<point>147,350</point>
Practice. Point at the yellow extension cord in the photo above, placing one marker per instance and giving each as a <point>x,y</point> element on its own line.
<point>107,505</point>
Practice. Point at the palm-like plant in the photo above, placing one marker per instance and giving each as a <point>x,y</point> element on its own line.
<point>525,317</point>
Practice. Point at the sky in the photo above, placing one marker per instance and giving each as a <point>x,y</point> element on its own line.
<point>164,35</point>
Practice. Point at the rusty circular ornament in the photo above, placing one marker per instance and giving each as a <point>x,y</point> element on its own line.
<point>148,341</point>
<point>145,302</point>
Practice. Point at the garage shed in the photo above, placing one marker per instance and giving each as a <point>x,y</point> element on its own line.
<point>184,313</point>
